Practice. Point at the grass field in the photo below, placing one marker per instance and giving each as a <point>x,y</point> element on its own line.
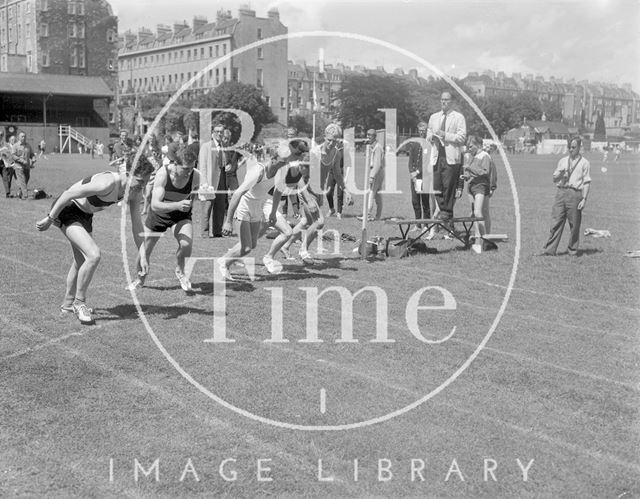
<point>556,383</point>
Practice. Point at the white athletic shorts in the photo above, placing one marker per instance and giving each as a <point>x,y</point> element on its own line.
<point>249,210</point>
<point>266,211</point>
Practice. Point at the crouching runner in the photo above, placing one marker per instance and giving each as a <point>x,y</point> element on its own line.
<point>73,212</point>
<point>171,203</point>
<point>252,205</point>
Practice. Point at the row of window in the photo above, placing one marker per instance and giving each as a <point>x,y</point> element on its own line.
<point>77,58</point>
<point>16,11</point>
<point>294,75</point>
<point>159,82</point>
<point>173,57</point>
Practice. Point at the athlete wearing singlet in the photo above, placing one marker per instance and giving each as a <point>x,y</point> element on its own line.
<point>81,210</point>
<point>160,222</point>
<point>251,204</point>
<point>73,212</point>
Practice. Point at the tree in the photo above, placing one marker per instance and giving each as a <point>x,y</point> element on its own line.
<point>600,131</point>
<point>242,96</point>
<point>300,123</point>
<point>526,105</point>
<point>552,110</point>
<point>362,95</point>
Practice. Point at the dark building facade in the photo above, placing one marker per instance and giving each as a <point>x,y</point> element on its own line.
<point>58,65</point>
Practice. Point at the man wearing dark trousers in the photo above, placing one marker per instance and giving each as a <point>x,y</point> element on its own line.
<point>24,159</point>
<point>211,163</point>
<point>417,150</point>
<point>447,131</point>
<point>573,179</point>
<point>232,160</point>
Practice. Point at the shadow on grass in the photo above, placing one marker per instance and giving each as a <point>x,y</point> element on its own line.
<point>242,285</point>
<point>333,262</point>
<point>129,311</point>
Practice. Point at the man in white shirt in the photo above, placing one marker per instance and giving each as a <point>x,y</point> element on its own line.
<point>447,131</point>
<point>376,174</point>
<point>573,179</point>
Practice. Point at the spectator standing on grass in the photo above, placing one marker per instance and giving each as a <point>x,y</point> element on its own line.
<point>99,149</point>
<point>123,148</point>
<point>211,163</point>
<point>419,200</point>
<point>73,212</point>
<point>41,148</point>
<point>24,160</point>
<point>6,164</point>
<point>493,185</point>
<point>233,160</point>
<point>376,174</point>
<point>332,164</point>
<point>573,181</point>
<point>447,131</point>
<point>477,171</point>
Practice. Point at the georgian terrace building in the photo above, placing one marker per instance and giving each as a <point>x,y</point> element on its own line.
<point>161,62</point>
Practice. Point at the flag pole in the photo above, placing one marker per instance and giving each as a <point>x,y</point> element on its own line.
<point>313,112</point>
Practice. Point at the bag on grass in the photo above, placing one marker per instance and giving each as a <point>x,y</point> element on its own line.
<point>40,193</point>
<point>397,247</point>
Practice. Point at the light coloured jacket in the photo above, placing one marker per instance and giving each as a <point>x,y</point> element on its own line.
<point>454,138</point>
<point>210,162</point>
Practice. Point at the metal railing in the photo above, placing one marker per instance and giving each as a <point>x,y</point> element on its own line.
<point>66,134</point>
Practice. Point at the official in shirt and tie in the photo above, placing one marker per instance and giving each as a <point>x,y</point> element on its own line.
<point>211,163</point>
<point>447,131</point>
<point>572,177</point>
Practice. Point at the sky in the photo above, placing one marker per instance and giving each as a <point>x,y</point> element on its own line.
<point>596,40</point>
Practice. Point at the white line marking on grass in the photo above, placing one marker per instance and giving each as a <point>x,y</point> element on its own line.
<point>528,317</point>
<point>594,454</point>
<point>514,355</point>
<point>323,401</point>
<point>532,291</point>
<point>499,422</point>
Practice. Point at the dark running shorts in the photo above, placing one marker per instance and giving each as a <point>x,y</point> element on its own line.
<point>160,222</point>
<point>72,214</point>
<point>479,188</point>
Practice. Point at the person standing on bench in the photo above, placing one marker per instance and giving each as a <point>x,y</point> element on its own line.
<point>447,131</point>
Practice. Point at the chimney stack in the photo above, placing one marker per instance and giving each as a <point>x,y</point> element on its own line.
<point>199,22</point>
<point>273,14</point>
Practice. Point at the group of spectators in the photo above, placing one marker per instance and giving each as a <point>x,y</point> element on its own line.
<point>16,161</point>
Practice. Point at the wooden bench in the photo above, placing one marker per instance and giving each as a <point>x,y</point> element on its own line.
<point>428,223</point>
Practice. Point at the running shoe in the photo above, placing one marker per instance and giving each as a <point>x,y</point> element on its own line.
<point>137,283</point>
<point>306,258</point>
<point>273,266</point>
<point>339,216</point>
<point>224,271</point>
<point>68,309</point>
<point>83,313</point>
<point>182,279</point>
